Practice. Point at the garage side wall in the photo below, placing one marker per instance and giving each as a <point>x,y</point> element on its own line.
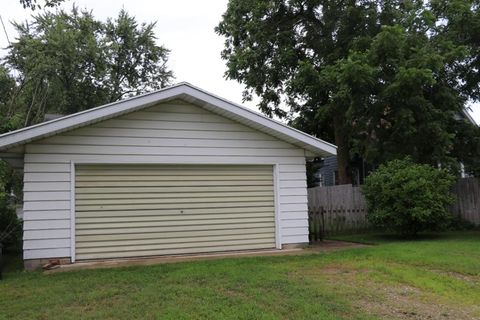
<point>175,132</point>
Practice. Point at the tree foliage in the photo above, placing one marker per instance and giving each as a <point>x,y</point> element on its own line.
<point>408,198</point>
<point>10,225</point>
<point>380,79</point>
<point>10,119</point>
<point>35,4</point>
<point>467,147</point>
<point>68,62</point>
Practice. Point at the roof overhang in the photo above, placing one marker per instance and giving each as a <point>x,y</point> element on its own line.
<point>184,91</point>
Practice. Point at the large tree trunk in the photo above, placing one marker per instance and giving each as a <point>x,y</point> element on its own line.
<point>343,154</point>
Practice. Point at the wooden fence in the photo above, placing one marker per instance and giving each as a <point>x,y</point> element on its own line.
<point>467,205</point>
<point>336,210</point>
<point>342,209</point>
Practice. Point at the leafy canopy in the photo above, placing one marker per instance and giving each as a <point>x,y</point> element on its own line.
<point>35,4</point>
<point>10,225</point>
<point>69,61</point>
<point>380,79</point>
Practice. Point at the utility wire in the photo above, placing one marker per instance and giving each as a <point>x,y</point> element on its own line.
<point>5,30</point>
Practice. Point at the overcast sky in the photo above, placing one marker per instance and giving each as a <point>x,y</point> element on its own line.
<point>183,26</point>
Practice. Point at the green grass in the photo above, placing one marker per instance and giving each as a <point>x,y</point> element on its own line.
<point>434,277</point>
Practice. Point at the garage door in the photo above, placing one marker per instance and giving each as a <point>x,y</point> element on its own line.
<point>144,210</point>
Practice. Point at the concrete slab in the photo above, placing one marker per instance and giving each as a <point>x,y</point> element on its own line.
<point>324,246</point>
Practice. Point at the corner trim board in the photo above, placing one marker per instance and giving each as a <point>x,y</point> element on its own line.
<point>72,211</point>
<point>276,183</point>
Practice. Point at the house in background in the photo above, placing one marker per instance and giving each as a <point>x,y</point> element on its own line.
<point>176,171</point>
<point>325,172</point>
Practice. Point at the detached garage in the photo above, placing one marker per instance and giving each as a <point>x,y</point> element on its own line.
<point>177,171</point>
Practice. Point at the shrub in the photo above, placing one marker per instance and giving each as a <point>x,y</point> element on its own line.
<point>407,198</point>
<point>10,227</point>
<point>10,224</point>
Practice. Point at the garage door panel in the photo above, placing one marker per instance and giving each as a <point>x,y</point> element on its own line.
<point>80,232</point>
<point>155,212</point>
<point>173,228</point>
<point>150,177</point>
<point>180,245</point>
<point>191,239</point>
<point>118,189</point>
<point>170,173</point>
<point>179,206</point>
<point>132,210</point>
<point>171,195</point>
<point>95,240</point>
<point>88,184</point>
<point>178,200</point>
<point>173,222</point>
<point>171,169</point>
<point>175,251</point>
<point>182,217</point>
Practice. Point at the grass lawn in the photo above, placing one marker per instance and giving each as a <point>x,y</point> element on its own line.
<point>431,278</point>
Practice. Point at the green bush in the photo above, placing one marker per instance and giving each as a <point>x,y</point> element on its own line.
<point>10,227</point>
<point>10,224</point>
<point>408,198</point>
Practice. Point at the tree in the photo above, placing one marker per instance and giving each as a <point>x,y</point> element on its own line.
<point>458,22</point>
<point>68,62</point>
<point>134,62</point>
<point>408,198</point>
<point>10,224</point>
<point>377,78</point>
<point>34,4</point>
<point>405,99</point>
<point>279,48</point>
<point>467,146</point>
<point>11,114</point>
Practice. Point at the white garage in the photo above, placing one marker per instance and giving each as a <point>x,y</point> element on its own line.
<point>177,171</point>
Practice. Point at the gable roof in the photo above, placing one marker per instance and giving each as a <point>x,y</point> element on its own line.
<point>184,91</point>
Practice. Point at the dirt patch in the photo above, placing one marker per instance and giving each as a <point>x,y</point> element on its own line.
<point>405,302</point>
<point>387,300</point>
<point>475,280</point>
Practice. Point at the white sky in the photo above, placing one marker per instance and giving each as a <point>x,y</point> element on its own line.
<point>186,27</point>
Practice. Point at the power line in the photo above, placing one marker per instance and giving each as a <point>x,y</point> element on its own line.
<point>5,30</point>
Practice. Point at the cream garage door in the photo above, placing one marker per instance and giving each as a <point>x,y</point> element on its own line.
<point>144,210</point>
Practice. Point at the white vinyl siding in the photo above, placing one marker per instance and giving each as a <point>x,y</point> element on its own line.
<point>163,208</point>
<point>175,132</point>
